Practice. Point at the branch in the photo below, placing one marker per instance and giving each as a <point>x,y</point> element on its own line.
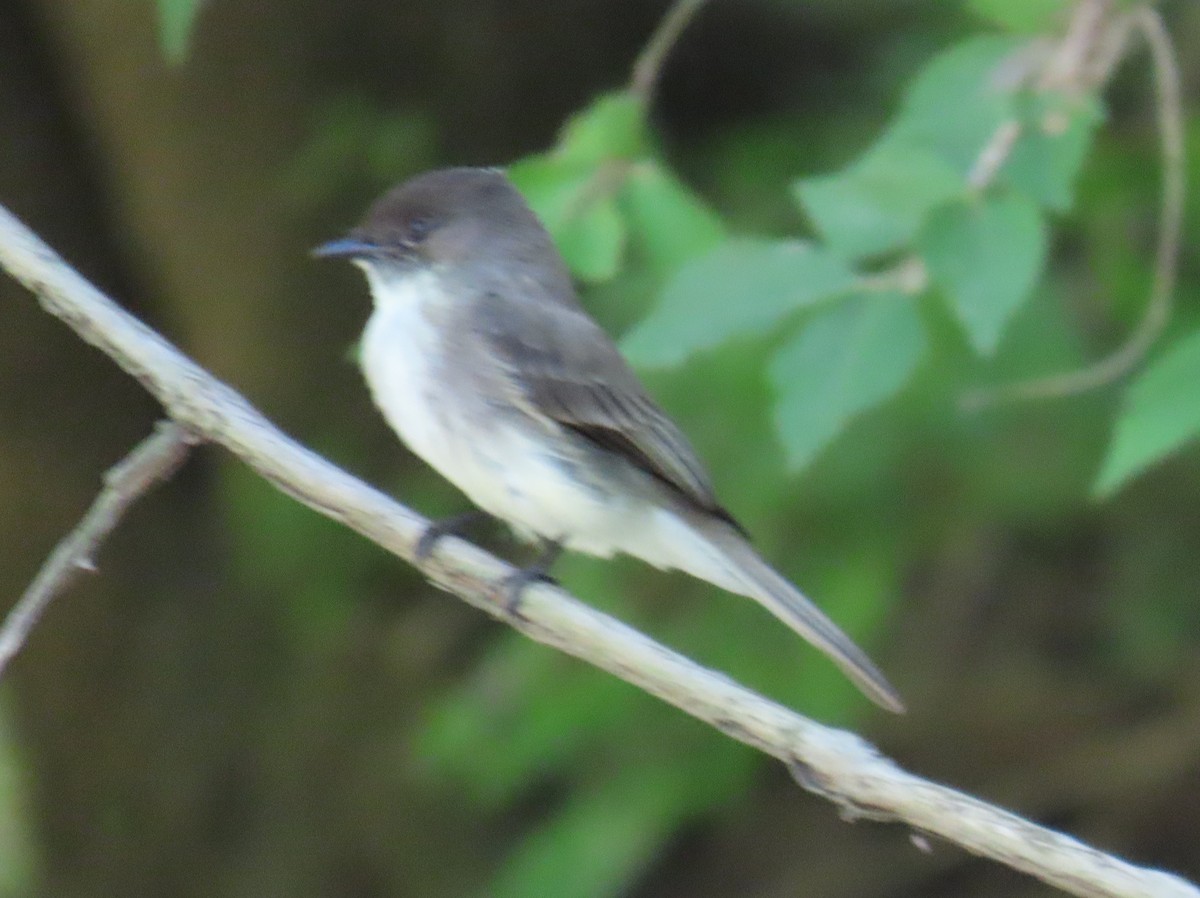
<point>649,64</point>
<point>154,459</point>
<point>834,763</point>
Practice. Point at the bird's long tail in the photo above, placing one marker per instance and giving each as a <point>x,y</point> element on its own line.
<point>722,556</point>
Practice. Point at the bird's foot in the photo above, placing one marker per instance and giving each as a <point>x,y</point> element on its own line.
<point>451,526</point>
<point>515,584</point>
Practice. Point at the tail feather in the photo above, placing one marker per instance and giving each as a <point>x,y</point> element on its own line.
<point>732,563</point>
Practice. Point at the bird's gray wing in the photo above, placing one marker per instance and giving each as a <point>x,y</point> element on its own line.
<point>568,369</point>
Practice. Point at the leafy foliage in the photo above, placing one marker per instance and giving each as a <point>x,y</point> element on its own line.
<point>908,194</point>
<point>1045,163</point>
<point>986,256</point>
<point>977,79</point>
<point>1161,413</point>
<point>601,188</point>
<point>845,359</point>
<point>741,288</point>
<point>877,204</point>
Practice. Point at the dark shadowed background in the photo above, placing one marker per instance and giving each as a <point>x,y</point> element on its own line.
<point>249,701</point>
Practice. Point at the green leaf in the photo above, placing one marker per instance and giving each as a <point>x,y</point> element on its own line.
<point>573,190</point>
<point>949,113</point>
<point>670,224</point>
<point>176,18</point>
<point>986,255</point>
<point>1161,413</point>
<point>613,127</point>
<point>879,202</point>
<point>845,360</point>
<point>959,100</point>
<point>1046,160</point>
<point>592,239</point>
<point>742,288</point>
<point>1025,16</point>
<point>583,220</point>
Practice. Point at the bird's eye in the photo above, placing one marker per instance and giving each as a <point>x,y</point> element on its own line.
<point>418,229</point>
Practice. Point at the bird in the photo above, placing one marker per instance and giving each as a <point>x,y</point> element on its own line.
<point>482,359</point>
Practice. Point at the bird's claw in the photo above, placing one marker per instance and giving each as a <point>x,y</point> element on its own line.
<point>437,530</point>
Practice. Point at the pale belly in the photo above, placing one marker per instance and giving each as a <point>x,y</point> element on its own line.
<point>497,458</point>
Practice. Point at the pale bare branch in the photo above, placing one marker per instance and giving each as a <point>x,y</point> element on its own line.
<point>152,460</point>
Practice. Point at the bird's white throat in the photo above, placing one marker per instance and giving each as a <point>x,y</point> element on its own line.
<point>400,354</point>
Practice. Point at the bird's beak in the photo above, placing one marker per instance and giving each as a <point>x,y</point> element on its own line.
<point>344,248</point>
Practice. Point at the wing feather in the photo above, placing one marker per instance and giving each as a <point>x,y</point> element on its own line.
<point>569,370</point>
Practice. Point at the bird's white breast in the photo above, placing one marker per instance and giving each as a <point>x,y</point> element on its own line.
<point>399,353</point>
<point>440,415</point>
<point>498,457</point>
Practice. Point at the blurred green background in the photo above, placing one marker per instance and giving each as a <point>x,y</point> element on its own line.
<point>249,700</point>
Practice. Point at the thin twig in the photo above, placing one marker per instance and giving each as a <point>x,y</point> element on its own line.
<point>1071,65</point>
<point>610,175</point>
<point>832,762</point>
<point>908,276</point>
<point>1068,67</point>
<point>152,460</point>
<point>1158,307</point>
<point>1044,65</point>
<point>649,64</point>
<point>994,155</point>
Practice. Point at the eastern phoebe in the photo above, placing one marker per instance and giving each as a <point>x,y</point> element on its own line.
<point>482,359</point>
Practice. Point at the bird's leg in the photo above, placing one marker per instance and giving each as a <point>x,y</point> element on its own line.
<point>538,571</point>
<point>451,526</point>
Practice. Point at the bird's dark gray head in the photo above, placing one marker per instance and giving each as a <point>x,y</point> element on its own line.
<point>467,218</point>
